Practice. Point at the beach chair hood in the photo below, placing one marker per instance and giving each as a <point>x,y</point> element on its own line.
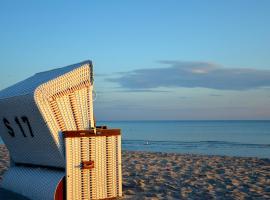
<point>33,113</point>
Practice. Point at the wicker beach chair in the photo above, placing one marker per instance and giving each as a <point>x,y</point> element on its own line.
<point>47,124</point>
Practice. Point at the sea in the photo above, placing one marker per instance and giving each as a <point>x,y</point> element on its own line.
<point>226,138</point>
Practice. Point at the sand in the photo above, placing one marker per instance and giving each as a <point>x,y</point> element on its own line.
<point>187,176</point>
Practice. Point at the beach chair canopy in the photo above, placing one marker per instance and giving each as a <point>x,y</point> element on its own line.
<point>33,113</point>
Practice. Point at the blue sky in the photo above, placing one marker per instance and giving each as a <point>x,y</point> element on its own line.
<point>152,59</point>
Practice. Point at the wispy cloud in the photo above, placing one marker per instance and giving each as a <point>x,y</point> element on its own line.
<point>194,74</point>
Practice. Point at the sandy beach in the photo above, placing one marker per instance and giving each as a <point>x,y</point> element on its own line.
<point>184,176</point>
<point>187,176</point>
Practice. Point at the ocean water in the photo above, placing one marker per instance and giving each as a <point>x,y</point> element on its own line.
<point>231,138</point>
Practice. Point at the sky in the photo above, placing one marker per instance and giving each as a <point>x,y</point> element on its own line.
<point>153,60</point>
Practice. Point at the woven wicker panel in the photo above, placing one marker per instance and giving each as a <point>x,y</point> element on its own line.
<point>66,102</point>
<point>34,183</point>
<point>105,179</point>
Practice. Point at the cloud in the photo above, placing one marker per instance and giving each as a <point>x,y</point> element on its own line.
<point>194,74</point>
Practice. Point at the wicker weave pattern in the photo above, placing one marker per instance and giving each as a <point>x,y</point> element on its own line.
<point>64,102</point>
<point>105,179</point>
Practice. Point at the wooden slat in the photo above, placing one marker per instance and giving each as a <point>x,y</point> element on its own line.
<point>91,133</point>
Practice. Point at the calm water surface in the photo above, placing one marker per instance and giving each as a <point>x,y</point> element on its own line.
<point>233,138</point>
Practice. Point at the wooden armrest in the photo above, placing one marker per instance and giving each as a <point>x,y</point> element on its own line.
<point>91,133</point>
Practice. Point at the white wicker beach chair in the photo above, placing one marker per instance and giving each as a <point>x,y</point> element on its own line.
<point>47,124</point>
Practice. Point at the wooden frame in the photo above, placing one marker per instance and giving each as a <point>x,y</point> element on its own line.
<point>92,133</point>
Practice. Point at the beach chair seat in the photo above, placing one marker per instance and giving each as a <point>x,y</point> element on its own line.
<point>36,117</point>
